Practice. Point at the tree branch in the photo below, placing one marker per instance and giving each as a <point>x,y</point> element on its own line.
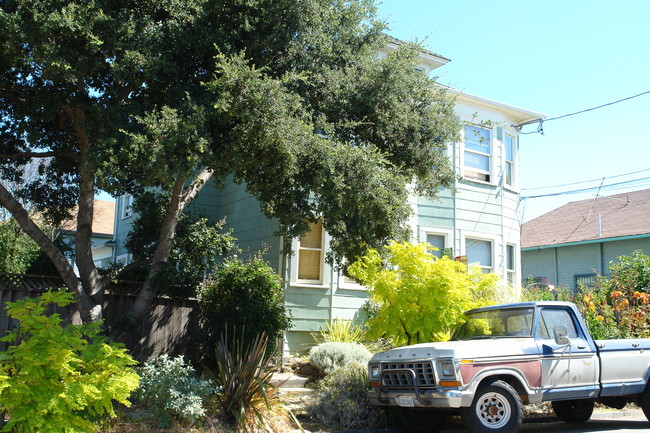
<point>180,199</point>
<point>49,248</point>
<point>71,155</point>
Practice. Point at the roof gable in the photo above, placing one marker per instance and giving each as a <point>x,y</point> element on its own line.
<point>621,215</point>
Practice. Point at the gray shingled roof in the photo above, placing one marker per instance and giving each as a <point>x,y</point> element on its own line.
<point>626,214</point>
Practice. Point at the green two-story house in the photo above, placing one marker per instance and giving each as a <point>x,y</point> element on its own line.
<point>479,223</point>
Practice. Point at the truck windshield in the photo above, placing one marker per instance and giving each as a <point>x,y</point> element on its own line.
<point>511,322</point>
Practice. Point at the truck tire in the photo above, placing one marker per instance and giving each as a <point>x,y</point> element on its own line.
<point>573,411</point>
<point>417,420</point>
<point>496,408</point>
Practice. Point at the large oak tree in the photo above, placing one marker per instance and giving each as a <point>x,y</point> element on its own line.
<point>289,97</point>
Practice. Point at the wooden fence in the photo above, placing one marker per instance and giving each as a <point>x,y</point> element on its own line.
<point>171,326</point>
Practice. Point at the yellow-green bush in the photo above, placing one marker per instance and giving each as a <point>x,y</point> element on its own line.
<point>60,379</point>
<point>417,297</point>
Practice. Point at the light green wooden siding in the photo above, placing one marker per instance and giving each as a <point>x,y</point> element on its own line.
<point>312,308</point>
<point>347,303</point>
<point>484,211</point>
<point>436,212</point>
<point>253,230</point>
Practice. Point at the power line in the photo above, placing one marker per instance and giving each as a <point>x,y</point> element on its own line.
<point>585,181</point>
<point>540,128</point>
<point>612,186</point>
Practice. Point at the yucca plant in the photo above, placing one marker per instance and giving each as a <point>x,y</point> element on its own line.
<point>341,331</point>
<point>243,373</point>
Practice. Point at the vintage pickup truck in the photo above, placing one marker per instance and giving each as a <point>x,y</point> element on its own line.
<point>505,356</point>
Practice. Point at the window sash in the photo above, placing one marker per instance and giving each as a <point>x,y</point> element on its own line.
<point>477,152</point>
<point>437,241</point>
<point>479,252</point>
<point>310,254</point>
<point>509,143</point>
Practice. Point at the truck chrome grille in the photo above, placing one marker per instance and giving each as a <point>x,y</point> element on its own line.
<point>399,379</point>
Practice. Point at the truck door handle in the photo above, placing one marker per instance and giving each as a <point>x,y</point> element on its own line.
<point>581,347</point>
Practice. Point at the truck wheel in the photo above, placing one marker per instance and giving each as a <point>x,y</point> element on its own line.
<point>417,420</point>
<point>573,411</point>
<point>496,408</point>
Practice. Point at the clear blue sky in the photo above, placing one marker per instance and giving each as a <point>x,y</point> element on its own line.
<point>553,57</point>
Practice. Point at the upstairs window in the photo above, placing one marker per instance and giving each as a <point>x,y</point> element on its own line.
<point>477,153</point>
<point>509,143</point>
<point>127,206</point>
<point>310,255</point>
<point>479,253</point>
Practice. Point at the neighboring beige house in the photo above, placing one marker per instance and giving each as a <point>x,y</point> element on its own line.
<point>103,229</point>
<point>573,243</point>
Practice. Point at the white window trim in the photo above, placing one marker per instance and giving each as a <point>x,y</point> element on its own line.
<point>324,270</point>
<point>449,243</point>
<point>517,260</point>
<point>482,237</point>
<point>490,172</point>
<point>127,206</point>
<point>514,186</point>
<point>125,259</point>
<point>348,285</point>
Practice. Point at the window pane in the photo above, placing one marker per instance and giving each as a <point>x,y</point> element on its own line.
<point>551,318</point>
<point>509,141</point>
<point>508,173</point>
<point>510,251</point>
<point>479,252</point>
<point>309,265</point>
<point>477,139</point>
<point>313,239</point>
<point>474,160</point>
<point>437,241</point>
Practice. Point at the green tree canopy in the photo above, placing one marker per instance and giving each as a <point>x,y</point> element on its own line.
<point>419,297</point>
<point>290,97</point>
<point>17,251</point>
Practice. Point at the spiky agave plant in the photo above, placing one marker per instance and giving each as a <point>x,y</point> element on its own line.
<point>244,373</point>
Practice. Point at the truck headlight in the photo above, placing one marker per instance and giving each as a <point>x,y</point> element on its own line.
<point>447,369</point>
<point>447,373</point>
<point>373,372</point>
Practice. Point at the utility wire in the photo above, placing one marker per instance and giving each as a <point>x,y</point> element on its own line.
<point>540,128</point>
<point>617,185</point>
<point>586,181</point>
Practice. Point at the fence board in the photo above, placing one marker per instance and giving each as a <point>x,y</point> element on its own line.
<point>170,327</point>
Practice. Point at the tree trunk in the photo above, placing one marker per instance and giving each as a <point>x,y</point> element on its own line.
<point>180,199</point>
<point>84,302</point>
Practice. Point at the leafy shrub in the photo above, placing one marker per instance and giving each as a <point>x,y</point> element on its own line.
<point>248,294</point>
<point>342,400</point>
<point>329,357</point>
<point>60,379</point>
<point>243,373</point>
<point>344,331</point>
<point>19,251</point>
<point>418,297</point>
<point>170,388</point>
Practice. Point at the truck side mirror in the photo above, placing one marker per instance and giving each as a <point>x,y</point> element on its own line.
<point>561,335</point>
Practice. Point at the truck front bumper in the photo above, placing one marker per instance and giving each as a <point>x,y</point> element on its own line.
<point>407,398</point>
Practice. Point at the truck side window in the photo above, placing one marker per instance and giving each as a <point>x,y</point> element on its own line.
<point>554,317</point>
